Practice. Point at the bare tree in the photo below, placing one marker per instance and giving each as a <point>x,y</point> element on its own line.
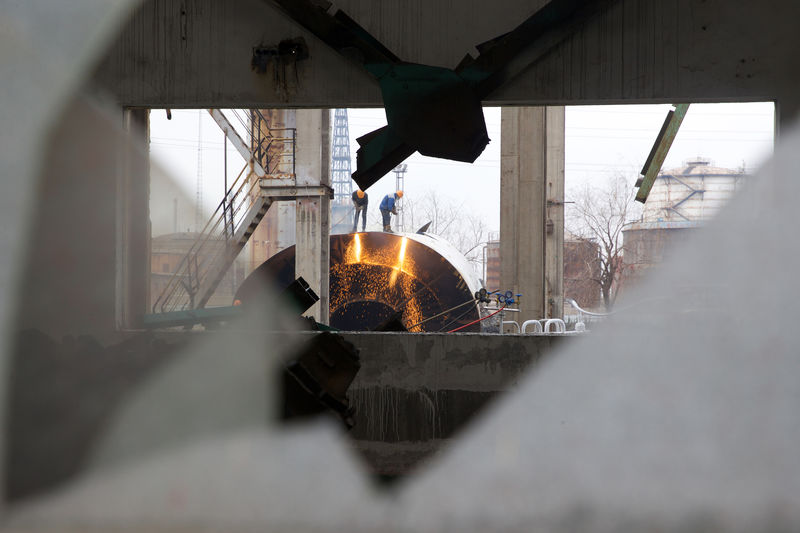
<point>466,231</point>
<point>599,215</point>
<point>581,268</point>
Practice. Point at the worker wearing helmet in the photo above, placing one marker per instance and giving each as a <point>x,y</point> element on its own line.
<point>360,201</point>
<point>388,208</point>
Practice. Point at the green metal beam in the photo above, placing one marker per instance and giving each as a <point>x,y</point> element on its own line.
<point>189,317</point>
<point>660,150</point>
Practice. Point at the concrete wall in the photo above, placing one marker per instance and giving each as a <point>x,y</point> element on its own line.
<point>62,397</point>
<point>413,392</point>
<point>416,391</point>
<point>87,267</point>
<point>197,54</point>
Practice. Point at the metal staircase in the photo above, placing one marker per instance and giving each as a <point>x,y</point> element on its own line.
<point>261,182</point>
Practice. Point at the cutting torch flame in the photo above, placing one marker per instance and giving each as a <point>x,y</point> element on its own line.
<point>358,248</point>
<point>402,255</point>
<point>399,266</point>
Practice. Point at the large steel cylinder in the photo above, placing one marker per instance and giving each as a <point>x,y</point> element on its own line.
<point>375,276</point>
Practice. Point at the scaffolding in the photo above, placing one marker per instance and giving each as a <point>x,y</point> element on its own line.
<point>342,207</point>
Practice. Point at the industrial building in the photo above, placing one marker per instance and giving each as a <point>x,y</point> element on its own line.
<point>167,252</point>
<point>131,411</point>
<point>682,199</point>
<point>581,270</point>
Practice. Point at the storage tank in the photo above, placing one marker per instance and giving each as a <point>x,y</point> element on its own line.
<point>694,192</point>
<point>375,275</point>
<point>681,200</point>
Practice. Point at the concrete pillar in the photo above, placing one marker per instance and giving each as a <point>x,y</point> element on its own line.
<point>312,258</point>
<point>133,222</point>
<point>787,113</point>
<point>532,209</point>
<point>277,230</point>
<point>325,217</point>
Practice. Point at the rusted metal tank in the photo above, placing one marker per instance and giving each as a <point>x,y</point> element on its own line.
<point>375,276</point>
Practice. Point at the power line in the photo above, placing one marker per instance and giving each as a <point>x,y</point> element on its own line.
<point>198,208</point>
<point>650,130</point>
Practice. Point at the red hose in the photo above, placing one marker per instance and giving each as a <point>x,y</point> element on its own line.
<point>476,321</point>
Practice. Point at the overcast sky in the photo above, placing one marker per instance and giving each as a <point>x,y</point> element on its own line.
<point>601,141</point>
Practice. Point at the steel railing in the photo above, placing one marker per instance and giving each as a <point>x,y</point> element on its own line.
<point>222,238</point>
<point>210,256</point>
<point>273,148</point>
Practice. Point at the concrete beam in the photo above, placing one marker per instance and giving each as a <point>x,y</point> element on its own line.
<point>197,54</point>
<point>532,209</point>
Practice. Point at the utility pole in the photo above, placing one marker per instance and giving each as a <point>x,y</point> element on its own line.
<point>400,185</point>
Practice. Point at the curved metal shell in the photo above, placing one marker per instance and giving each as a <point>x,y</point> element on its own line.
<point>374,275</point>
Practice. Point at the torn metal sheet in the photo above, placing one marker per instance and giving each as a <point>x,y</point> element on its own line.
<point>434,110</point>
<point>660,150</point>
<point>316,380</point>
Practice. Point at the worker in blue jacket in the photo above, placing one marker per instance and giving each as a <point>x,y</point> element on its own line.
<point>387,208</point>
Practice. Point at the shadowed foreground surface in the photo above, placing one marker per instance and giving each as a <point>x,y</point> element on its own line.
<point>678,416</point>
<point>412,395</point>
<point>631,428</point>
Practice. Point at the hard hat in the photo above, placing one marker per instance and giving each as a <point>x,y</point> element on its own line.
<point>399,194</point>
<point>360,193</point>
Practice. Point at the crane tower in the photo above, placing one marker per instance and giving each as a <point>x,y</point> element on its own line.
<point>341,207</point>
